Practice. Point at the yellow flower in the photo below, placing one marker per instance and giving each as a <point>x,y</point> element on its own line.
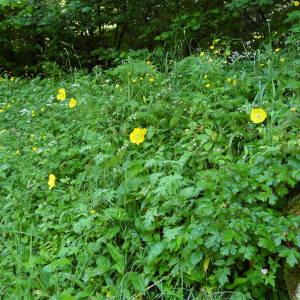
<point>296,3</point>
<point>51,181</point>
<point>277,49</point>
<point>18,152</point>
<point>293,109</point>
<point>151,79</point>
<point>42,109</point>
<point>34,149</point>
<point>205,77</point>
<point>202,53</point>
<point>258,115</point>
<point>234,82</point>
<point>148,62</point>
<point>282,60</point>
<point>92,211</point>
<point>2,110</point>
<point>61,94</point>
<point>72,103</point>
<point>137,136</point>
<point>208,85</point>
<point>212,47</point>
<point>229,79</point>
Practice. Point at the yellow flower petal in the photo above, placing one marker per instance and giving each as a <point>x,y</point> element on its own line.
<point>258,115</point>
<point>72,103</point>
<point>61,94</point>
<point>51,181</point>
<point>137,136</point>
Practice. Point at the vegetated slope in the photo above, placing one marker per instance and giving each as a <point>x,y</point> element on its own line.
<point>194,209</point>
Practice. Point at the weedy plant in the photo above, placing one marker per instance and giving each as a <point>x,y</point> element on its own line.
<point>138,184</point>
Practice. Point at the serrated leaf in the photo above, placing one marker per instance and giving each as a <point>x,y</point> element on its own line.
<point>103,264</point>
<point>155,251</point>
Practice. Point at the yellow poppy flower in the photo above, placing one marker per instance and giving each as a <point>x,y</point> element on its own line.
<point>51,181</point>
<point>212,47</point>
<point>277,49</point>
<point>72,103</point>
<point>34,149</point>
<point>208,85</point>
<point>1,110</point>
<point>61,94</point>
<point>137,136</point>
<point>258,115</point>
<point>92,211</point>
<point>151,79</point>
<point>296,3</point>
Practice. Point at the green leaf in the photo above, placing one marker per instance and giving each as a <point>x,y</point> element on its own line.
<point>137,281</point>
<point>103,264</point>
<point>117,256</point>
<point>291,259</point>
<point>222,275</point>
<point>155,251</point>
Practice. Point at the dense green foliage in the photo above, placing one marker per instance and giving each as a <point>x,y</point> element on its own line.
<point>89,32</point>
<point>197,210</point>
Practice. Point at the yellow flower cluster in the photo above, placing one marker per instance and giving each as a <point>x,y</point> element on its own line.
<point>62,95</point>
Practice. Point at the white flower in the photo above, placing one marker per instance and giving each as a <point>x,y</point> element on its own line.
<point>264,271</point>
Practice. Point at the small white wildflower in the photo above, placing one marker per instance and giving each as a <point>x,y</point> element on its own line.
<point>264,271</point>
<point>24,112</point>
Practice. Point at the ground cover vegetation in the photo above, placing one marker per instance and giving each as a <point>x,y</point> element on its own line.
<point>149,149</point>
<point>136,183</point>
